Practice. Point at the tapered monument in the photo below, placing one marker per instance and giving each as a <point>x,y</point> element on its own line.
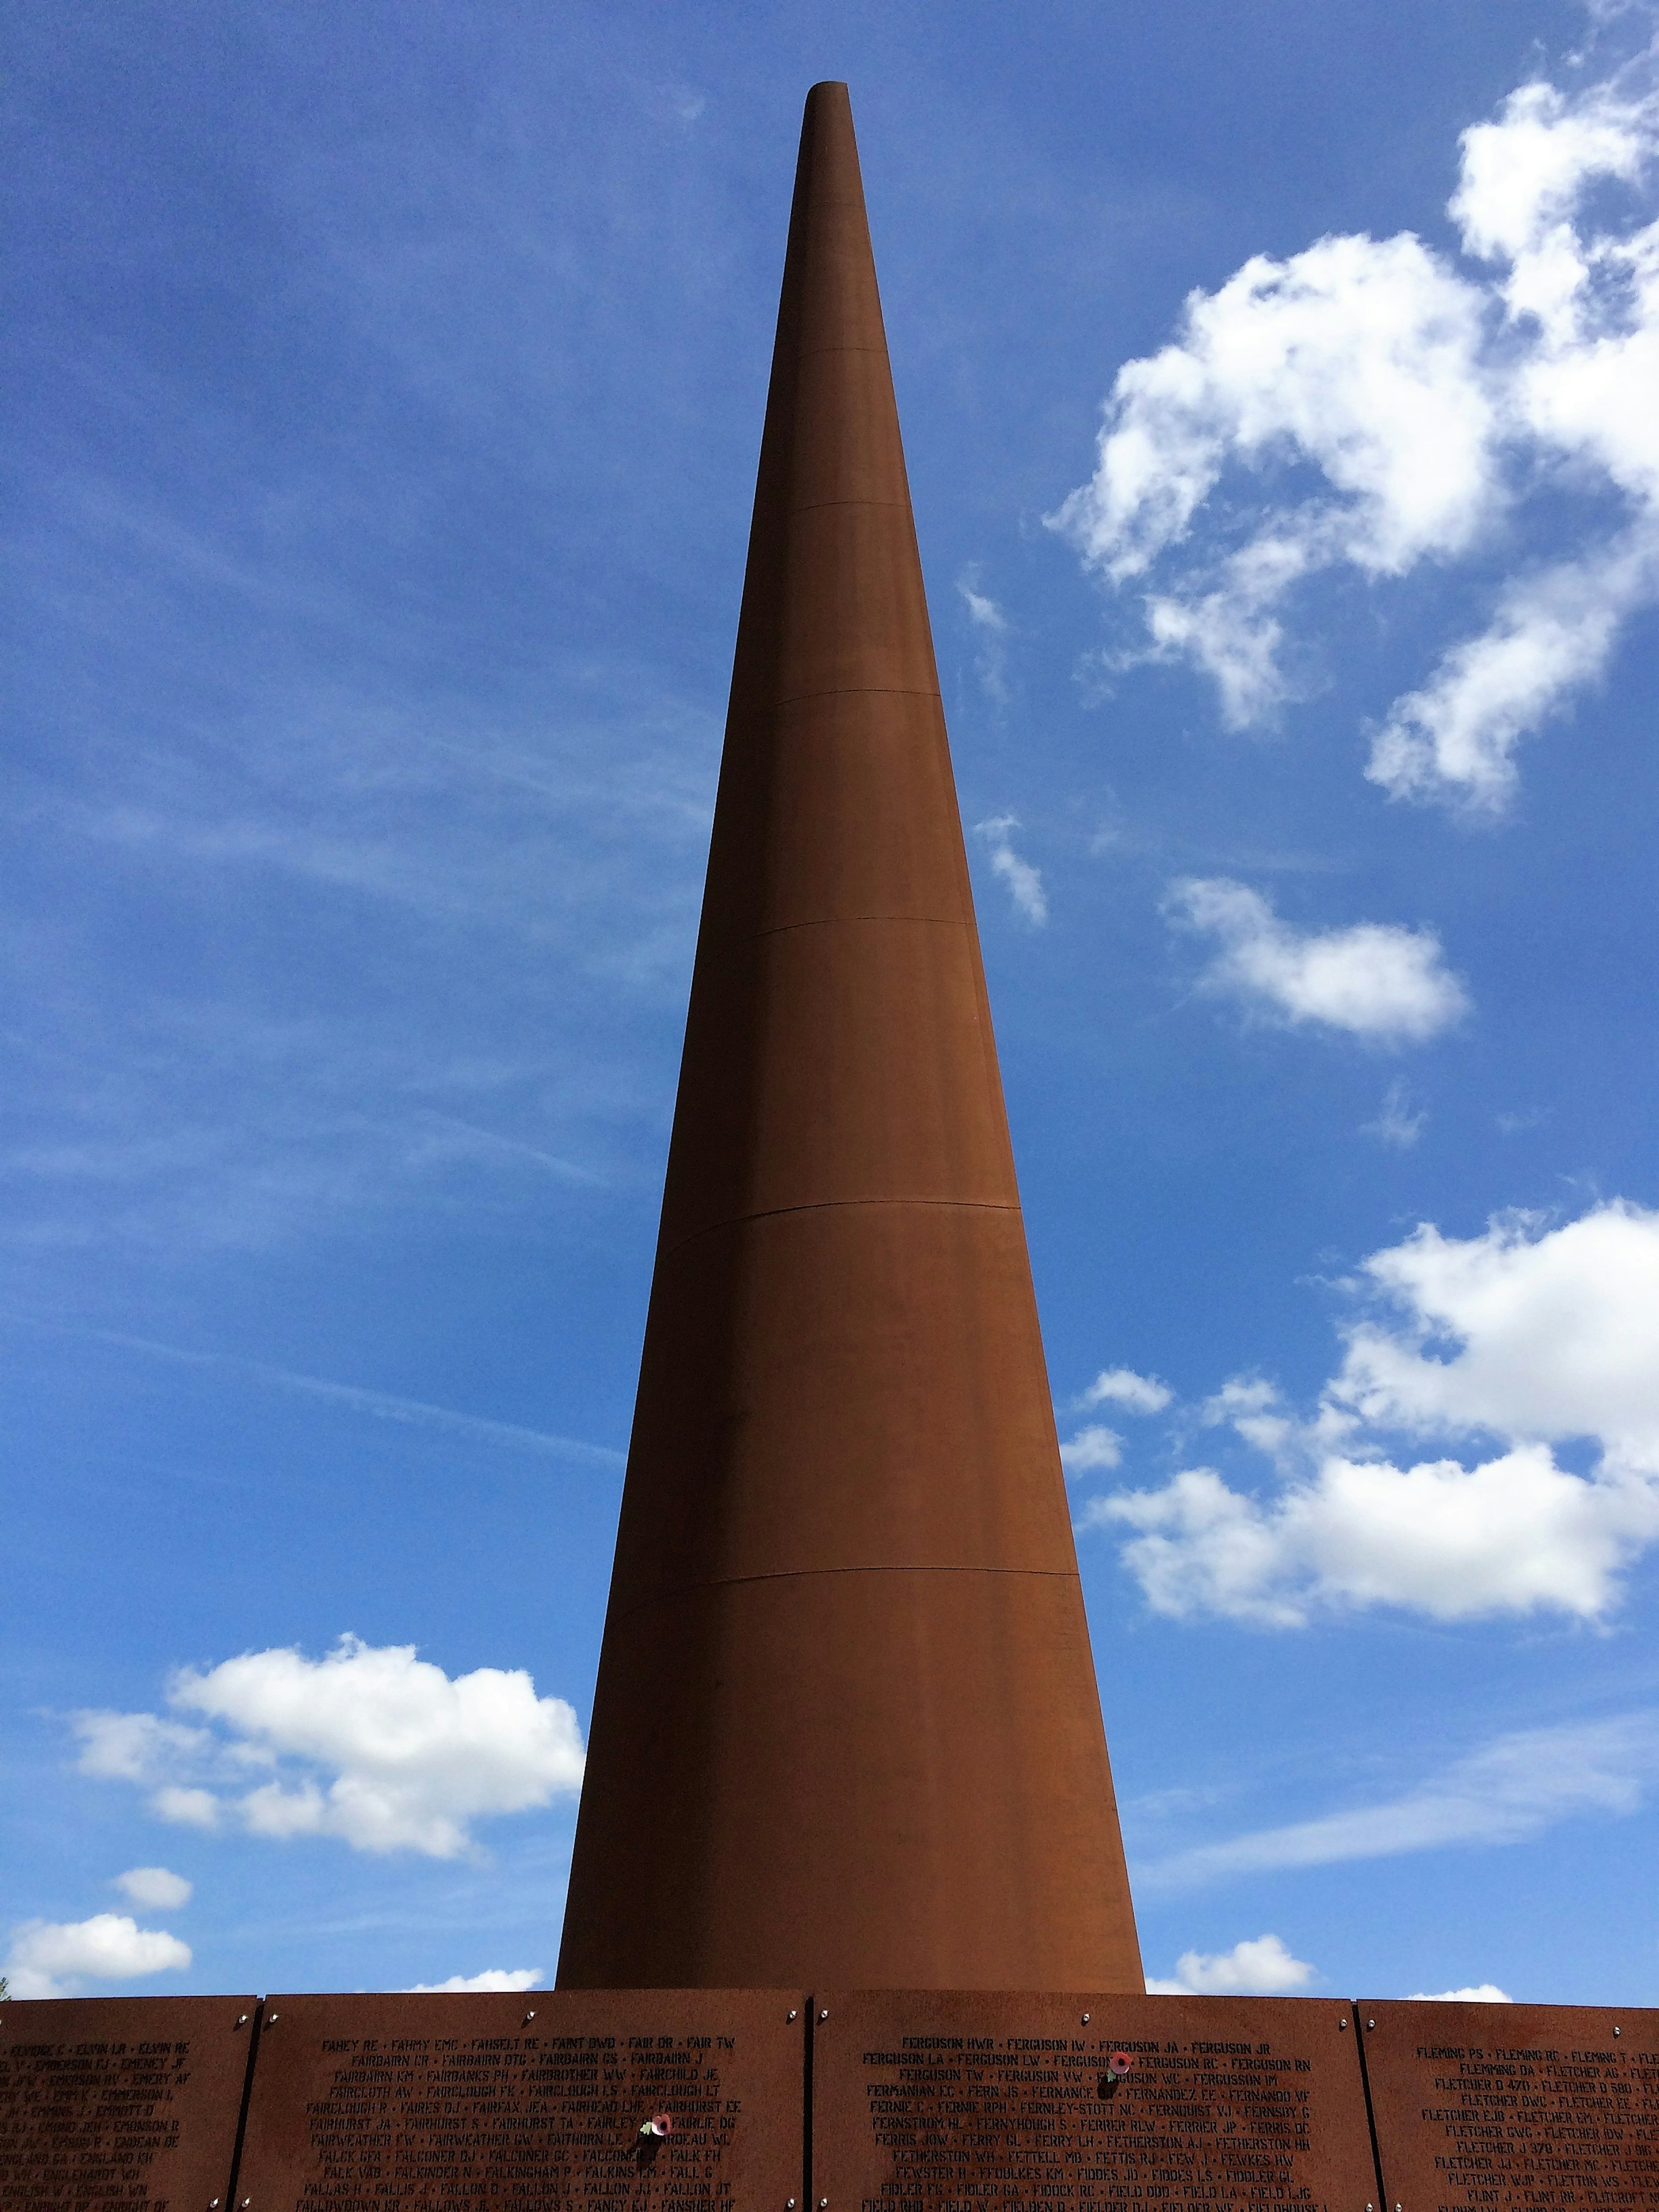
<point>847,1731</point>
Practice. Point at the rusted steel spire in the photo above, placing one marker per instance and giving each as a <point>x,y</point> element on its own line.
<point>847,1731</point>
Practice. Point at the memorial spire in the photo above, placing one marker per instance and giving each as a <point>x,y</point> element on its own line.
<point>845,1731</point>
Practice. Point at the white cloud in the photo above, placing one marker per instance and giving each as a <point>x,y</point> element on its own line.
<point>983,612</point>
<point>1252,1406</point>
<point>1515,1533</point>
<point>992,626</point>
<point>154,1889</point>
<point>1203,1548</point>
<point>129,1747</point>
<point>1430,404</point>
<point>1522,1332</point>
<point>1536,1338</point>
<point>185,1808</point>
<point>1397,1123</point>
<point>1512,1789</point>
<point>1092,1449</point>
<point>1231,632</point>
<point>1377,981</point>
<point>1523,175</point>
<point>492,1978</point>
<point>1479,1993</point>
<point>1602,12</point>
<point>1359,355</point>
<point>1552,634</point>
<point>1023,881</point>
<point>684,102</point>
<point>109,1947</point>
<point>1121,1386</point>
<point>1260,1967</point>
<point>371,1745</point>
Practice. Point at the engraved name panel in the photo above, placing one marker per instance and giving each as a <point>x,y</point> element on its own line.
<point>943,2101</point>
<point>534,2099</point>
<point>120,2103</point>
<point>1514,2108</point>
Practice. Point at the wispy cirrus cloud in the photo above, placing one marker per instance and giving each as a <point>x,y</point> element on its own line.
<point>481,908</point>
<point>1507,1790</point>
<point>377,1405</point>
<point>991,631</point>
<point>1025,882</point>
<point>1399,1123</point>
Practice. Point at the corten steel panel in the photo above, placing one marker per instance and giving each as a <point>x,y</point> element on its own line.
<point>847,394</point>
<point>527,2100</point>
<point>853,1098</point>
<point>1494,2107</point>
<point>859,621</point>
<point>855,1378</point>
<point>926,2098</point>
<point>127,2100</point>
<point>846,1727</point>
<point>849,1706</point>
<point>835,757</point>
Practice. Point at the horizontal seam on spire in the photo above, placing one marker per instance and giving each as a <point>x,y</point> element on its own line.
<point>857,691</point>
<point>816,506</point>
<point>805,1574</point>
<point>829,1204</point>
<point>834,921</point>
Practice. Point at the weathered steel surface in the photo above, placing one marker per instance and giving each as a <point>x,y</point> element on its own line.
<point>128,2101</point>
<point>846,1726</point>
<point>1498,2107</point>
<point>926,2100</point>
<point>527,2100</point>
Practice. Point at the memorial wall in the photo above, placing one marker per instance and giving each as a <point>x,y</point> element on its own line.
<point>1479,2106</point>
<point>1053,2102</point>
<point>122,2101</point>
<point>761,2100</point>
<point>655,2100</point>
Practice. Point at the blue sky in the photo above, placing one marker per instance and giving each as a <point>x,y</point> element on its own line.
<point>386,386</point>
